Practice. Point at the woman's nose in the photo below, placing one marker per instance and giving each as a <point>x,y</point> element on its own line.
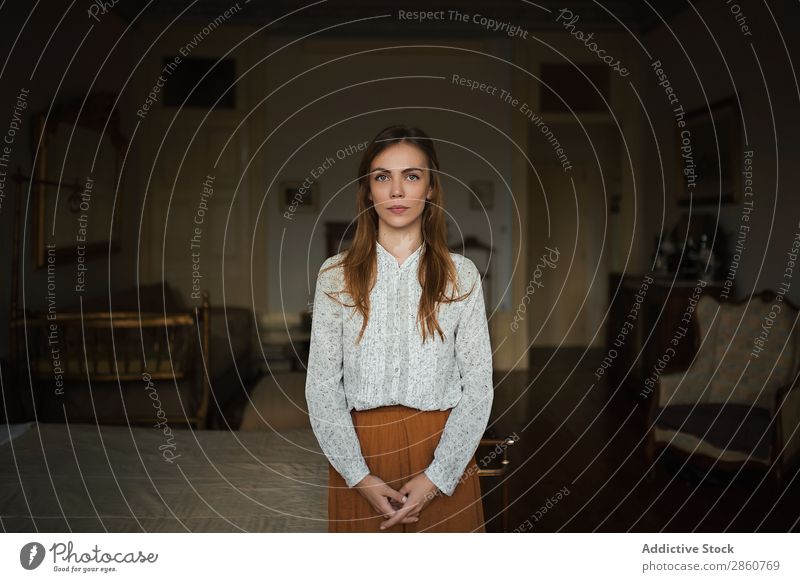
<point>397,188</point>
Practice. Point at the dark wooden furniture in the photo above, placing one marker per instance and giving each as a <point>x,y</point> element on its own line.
<point>633,356</point>
<point>338,236</point>
<point>495,463</point>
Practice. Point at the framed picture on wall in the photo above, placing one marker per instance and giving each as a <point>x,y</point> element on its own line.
<point>709,155</point>
<point>77,191</point>
<point>298,196</point>
<point>482,195</point>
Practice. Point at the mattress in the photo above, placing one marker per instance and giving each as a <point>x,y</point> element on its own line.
<point>88,478</point>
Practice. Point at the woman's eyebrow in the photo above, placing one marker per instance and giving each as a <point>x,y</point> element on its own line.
<point>404,171</point>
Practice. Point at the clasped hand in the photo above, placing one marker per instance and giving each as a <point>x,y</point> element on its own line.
<point>403,506</point>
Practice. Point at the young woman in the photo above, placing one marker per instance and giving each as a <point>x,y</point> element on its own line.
<point>399,384</point>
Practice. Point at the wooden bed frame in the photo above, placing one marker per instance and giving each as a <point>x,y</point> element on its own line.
<point>107,347</point>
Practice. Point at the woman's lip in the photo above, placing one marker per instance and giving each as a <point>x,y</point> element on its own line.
<point>398,209</point>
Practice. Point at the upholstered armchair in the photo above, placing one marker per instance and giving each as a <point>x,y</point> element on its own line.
<point>738,404</point>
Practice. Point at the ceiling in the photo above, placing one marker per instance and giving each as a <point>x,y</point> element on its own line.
<point>533,16</point>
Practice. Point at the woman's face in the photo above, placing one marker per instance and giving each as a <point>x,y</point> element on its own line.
<point>399,183</point>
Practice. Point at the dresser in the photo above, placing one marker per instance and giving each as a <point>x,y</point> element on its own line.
<point>651,329</point>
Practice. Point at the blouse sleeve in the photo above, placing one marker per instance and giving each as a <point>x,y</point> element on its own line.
<point>468,419</point>
<point>327,407</point>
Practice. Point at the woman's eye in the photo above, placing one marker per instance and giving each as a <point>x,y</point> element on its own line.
<point>412,177</point>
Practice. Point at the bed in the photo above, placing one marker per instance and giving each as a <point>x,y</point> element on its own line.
<point>88,361</point>
<point>89,478</point>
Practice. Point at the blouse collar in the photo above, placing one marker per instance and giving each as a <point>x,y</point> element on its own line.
<point>388,258</point>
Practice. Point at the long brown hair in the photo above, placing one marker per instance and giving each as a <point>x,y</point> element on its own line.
<point>436,270</point>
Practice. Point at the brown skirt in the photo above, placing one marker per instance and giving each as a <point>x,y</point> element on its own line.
<point>398,443</point>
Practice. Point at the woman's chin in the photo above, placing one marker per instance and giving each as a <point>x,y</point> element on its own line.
<point>400,221</point>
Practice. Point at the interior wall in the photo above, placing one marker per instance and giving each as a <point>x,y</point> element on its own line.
<point>200,175</point>
<point>335,100</point>
<point>757,67</point>
<point>564,304</point>
<point>307,109</point>
<point>570,243</point>
<point>79,57</point>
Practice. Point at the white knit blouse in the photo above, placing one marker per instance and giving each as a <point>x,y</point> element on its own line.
<point>391,365</point>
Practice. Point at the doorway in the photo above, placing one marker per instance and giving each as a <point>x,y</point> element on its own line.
<point>569,218</point>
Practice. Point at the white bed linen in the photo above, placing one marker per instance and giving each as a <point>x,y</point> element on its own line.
<point>9,432</point>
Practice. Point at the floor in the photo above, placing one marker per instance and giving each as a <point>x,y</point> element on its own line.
<point>579,466</point>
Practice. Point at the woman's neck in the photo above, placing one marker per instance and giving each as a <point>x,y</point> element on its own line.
<point>400,243</point>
